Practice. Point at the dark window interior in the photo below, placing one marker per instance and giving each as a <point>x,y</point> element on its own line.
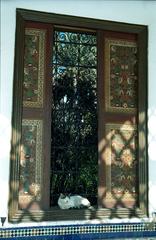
<point>74,143</point>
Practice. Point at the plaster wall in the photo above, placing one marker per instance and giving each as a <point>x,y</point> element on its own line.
<point>137,12</point>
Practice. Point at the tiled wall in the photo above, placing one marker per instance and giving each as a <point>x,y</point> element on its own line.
<point>83,232</point>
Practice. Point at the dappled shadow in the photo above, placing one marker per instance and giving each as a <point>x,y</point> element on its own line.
<point>118,210</point>
<point>122,186</point>
<point>17,214</point>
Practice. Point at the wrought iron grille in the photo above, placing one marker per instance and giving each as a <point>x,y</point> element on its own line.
<point>74,116</point>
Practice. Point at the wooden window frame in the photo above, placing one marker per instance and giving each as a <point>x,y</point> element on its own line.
<point>17,215</point>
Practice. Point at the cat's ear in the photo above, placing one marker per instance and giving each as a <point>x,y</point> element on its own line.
<point>62,195</point>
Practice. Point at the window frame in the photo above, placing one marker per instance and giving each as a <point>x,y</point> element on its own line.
<point>16,215</point>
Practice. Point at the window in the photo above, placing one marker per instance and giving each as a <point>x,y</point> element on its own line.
<point>74,149</point>
<point>79,117</point>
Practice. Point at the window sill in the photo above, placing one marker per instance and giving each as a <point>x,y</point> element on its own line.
<point>56,214</point>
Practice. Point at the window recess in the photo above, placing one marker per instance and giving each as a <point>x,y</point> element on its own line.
<point>79,118</point>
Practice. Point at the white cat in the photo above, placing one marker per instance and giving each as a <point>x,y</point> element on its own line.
<point>73,201</point>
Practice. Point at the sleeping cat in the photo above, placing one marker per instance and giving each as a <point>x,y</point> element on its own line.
<point>74,201</point>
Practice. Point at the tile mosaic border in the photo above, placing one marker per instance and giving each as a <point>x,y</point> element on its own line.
<point>70,232</point>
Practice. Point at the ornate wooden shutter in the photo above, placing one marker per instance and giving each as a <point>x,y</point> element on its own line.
<point>36,117</point>
<point>118,187</point>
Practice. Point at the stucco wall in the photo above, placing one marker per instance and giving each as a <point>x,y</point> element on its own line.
<point>138,12</point>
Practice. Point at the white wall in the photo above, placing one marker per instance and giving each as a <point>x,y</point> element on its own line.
<point>138,12</point>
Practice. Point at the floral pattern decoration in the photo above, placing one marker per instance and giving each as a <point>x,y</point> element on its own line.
<point>121,73</point>
<point>30,161</point>
<point>33,68</point>
<point>123,161</point>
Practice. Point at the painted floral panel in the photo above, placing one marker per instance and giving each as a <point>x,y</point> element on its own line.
<point>121,159</point>
<point>34,61</point>
<point>121,75</point>
<point>30,163</point>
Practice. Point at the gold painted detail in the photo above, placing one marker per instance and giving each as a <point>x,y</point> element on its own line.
<point>120,76</point>
<point>121,162</point>
<point>30,162</point>
<point>34,63</point>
